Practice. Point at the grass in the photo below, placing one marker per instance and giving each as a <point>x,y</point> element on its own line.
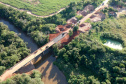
<point>39,7</point>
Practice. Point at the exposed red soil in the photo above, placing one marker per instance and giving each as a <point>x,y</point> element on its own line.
<point>52,36</point>
<point>68,39</point>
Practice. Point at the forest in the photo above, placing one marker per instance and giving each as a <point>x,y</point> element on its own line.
<point>12,48</point>
<point>119,3</point>
<point>85,60</point>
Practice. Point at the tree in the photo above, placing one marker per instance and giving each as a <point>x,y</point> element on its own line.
<point>104,73</point>
<point>75,28</point>
<point>70,33</point>
<point>24,79</point>
<point>36,74</point>
<point>2,69</point>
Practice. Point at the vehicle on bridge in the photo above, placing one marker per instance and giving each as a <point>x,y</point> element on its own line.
<point>47,47</point>
<point>63,33</point>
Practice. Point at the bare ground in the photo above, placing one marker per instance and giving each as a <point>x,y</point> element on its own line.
<point>50,73</point>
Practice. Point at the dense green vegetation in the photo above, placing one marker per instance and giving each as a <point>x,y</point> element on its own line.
<point>118,2</point>
<point>34,78</point>
<point>40,7</point>
<point>12,48</point>
<point>87,53</point>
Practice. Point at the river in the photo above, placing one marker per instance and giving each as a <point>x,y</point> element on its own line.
<point>50,73</point>
<point>30,43</point>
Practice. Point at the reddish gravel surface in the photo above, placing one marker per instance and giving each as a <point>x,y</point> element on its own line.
<point>68,39</point>
<point>52,36</point>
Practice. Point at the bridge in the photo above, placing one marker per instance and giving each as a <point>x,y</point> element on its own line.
<point>33,55</point>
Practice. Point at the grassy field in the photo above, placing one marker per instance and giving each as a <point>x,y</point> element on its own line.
<point>39,7</point>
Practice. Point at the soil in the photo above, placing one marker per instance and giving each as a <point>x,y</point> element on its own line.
<point>97,17</point>
<point>50,72</point>
<point>68,39</point>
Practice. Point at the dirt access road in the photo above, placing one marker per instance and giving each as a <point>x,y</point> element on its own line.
<point>96,10</point>
<point>30,13</point>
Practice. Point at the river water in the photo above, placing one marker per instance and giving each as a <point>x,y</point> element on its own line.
<point>30,43</point>
<point>50,73</point>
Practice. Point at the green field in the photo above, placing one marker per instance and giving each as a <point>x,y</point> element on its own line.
<point>39,7</point>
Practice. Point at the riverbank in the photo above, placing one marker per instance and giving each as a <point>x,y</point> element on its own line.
<point>46,64</point>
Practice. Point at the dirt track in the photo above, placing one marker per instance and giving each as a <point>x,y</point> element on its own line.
<point>30,13</point>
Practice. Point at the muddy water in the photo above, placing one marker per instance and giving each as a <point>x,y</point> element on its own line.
<point>50,73</point>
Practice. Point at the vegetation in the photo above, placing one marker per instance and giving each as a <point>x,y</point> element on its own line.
<point>46,7</point>
<point>75,28</point>
<point>106,65</point>
<point>79,17</point>
<point>12,48</point>
<point>119,3</point>
<point>40,7</point>
<point>37,28</point>
<point>34,78</point>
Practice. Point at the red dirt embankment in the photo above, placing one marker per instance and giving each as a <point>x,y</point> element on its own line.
<point>66,39</point>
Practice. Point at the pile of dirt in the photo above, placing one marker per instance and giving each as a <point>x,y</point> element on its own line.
<point>97,17</point>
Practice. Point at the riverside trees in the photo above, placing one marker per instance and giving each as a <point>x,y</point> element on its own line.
<point>12,48</point>
<point>34,78</point>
